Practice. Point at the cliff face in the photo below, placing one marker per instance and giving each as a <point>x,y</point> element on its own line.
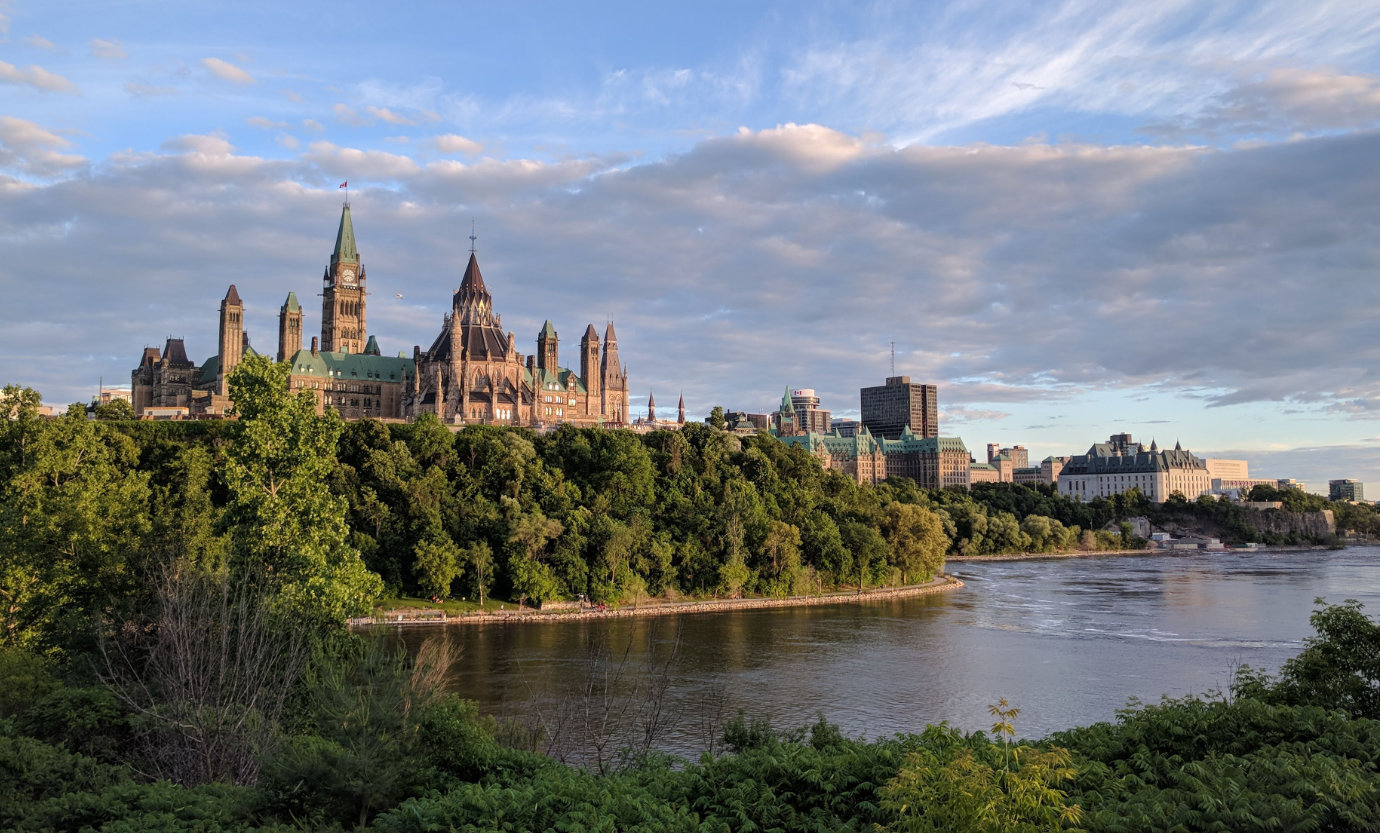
<point>1315,525</point>
<point>1260,526</point>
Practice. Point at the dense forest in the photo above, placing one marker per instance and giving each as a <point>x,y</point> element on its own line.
<point>173,654</point>
<point>367,509</point>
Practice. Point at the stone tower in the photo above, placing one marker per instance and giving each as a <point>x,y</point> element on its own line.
<point>342,295</point>
<point>615,383</point>
<point>231,338</point>
<point>289,328</point>
<point>589,367</point>
<point>651,407</point>
<point>548,355</point>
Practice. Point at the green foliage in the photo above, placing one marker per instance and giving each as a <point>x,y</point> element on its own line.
<point>114,410</point>
<point>716,418</point>
<point>24,680</point>
<point>968,784</point>
<point>88,720</point>
<point>362,723</point>
<point>282,521</point>
<point>438,563</point>
<point>72,520</point>
<point>1339,667</point>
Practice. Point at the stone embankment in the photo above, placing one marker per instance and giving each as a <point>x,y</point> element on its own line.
<point>429,617</point>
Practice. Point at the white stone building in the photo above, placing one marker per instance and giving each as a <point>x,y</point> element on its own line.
<point>1120,464</point>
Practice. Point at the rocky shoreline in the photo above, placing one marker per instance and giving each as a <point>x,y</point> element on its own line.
<point>525,615</point>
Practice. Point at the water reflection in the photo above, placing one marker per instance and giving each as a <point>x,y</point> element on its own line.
<point>1069,641</point>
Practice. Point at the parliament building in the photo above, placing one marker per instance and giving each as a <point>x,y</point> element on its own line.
<point>471,374</point>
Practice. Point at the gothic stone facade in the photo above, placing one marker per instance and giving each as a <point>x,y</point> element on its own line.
<point>473,373</point>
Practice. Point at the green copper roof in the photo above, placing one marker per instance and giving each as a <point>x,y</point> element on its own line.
<point>372,347</point>
<point>548,330</point>
<point>345,240</point>
<point>291,304</point>
<point>561,378</point>
<point>353,366</point>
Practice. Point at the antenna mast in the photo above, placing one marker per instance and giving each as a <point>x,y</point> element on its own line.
<point>893,357</point>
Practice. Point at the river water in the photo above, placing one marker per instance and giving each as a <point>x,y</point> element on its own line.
<point>1069,641</point>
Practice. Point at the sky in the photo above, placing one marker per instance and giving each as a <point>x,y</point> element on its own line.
<point>1075,218</point>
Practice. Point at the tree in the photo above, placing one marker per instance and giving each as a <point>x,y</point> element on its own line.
<point>480,558</point>
<point>438,564</point>
<point>1339,668</point>
<point>528,536</point>
<point>284,524</point>
<point>916,539</point>
<point>73,519</point>
<point>210,675</point>
<point>716,418</point>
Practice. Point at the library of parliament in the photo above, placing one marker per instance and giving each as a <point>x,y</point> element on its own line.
<point>471,374</point>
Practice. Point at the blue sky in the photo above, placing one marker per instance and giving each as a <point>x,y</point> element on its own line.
<point>1076,218</point>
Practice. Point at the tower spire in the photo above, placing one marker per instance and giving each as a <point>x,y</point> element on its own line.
<point>472,237</point>
<point>345,251</point>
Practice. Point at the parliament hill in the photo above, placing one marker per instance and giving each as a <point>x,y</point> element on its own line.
<point>471,374</point>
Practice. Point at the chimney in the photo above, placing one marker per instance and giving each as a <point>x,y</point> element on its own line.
<point>314,346</point>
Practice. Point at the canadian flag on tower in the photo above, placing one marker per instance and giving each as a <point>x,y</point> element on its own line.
<point>345,184</point>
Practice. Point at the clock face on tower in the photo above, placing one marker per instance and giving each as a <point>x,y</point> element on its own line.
<point>347,274</point>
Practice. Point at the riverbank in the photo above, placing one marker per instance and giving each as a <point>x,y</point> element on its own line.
<point>419,616</point>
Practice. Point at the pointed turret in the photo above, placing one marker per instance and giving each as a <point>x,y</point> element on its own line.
<point>289,328</point>
<point>231,337</point>
<point>345,251</point>
<point>680,410</point>
<point>472,299</point>
<point>372,348</point>
<point>615,382</point>
<point>651,407</point>
<point>589,364</point>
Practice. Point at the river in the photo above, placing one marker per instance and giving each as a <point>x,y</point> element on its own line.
<point>1069,641</point>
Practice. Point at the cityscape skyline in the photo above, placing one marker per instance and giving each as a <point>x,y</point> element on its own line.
<point>1076,220</point>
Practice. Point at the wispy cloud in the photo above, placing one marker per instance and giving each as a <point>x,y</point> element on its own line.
<point>107,50</point>
<point>452,143</point>
<point>31,149</point>
<point>226,71</point>
<point>38,42</point>
<point>37,77</point>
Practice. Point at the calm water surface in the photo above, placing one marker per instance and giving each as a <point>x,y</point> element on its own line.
<point>1069,641</point>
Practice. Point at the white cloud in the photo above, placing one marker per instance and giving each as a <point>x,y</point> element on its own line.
<point>204,144</point>
<point>1282,101</point>
<point>452,143</point>
<point>227,71</point>
<point>266,123</point>
<point>39,42</point>
<point>107,50</point>
<point>32,149</point>
<point>386,115</point>
<point>351,163</point>
<point>35,76</point>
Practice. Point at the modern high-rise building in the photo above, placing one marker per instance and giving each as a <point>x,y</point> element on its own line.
<point>808,415</point>
<point>1346,490</point>
<point>889,409</point>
